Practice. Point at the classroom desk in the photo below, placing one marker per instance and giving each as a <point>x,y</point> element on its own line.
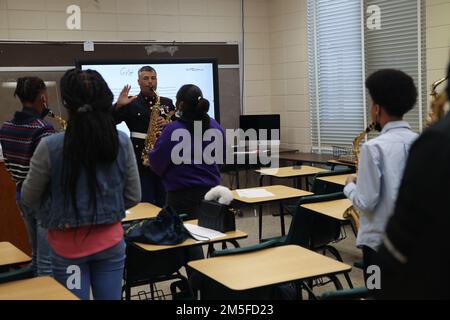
<point>339,179</point>
<point>40,288</point>
<point>236,167</point>
<point>334,208</point>
<point>301,171</point>
<point>279,193</point>
<point>10,255</point>
<point>143,210</point>
<point>304,157</point>
<point>267,267</point>
<point>151,263</point>
<point>335,162</point>
<point>231,236</point>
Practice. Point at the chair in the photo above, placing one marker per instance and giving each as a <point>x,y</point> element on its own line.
<point>315,231</point>
<point>18,274</point>
<point>149,267</point>
<point>323,187</point>
<point>309,230</point>
<point>349,294</point>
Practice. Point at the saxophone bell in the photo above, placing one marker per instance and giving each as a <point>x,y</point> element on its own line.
<point>61,121</point>
<point>437,102</point>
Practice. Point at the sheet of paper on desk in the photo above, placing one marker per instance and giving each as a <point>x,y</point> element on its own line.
<point>246,152</point>
<point>201,233</point>
<point>254,193</point>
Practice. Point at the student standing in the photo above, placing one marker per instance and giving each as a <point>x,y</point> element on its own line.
<point>90,171</point>
<point>382,159</point>
<point>19,138</point>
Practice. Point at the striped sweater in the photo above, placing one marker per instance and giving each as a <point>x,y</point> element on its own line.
<point>19,138</point>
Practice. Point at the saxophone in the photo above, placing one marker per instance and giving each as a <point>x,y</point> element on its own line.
<point>351,213</point>
<point>357,141</point>
<point>152,130</point>
<point>61,121</point>
<point>437,103</point>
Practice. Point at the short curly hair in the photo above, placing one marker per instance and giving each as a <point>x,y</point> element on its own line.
<point>393,90</point>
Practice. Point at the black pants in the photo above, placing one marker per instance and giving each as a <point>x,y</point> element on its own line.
<point>369,258</point>
<point>187,202</point>
<point>152,188</point>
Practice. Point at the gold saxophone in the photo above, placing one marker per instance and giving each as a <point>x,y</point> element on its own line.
<point>351,213</point>
<point>152,130</point>
<point>437,103</point>
<point>61,121</point>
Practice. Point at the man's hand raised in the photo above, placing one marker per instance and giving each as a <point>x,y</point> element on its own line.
<point>124,97</point>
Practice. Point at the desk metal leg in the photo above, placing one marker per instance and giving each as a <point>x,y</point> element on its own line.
<point>283,231</point>
<point>210,250</point>
<point>260,221</point>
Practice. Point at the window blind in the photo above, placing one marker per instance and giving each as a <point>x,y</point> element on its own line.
<point>335,72</point>
<point>400,44</point>
<point>342,51</point>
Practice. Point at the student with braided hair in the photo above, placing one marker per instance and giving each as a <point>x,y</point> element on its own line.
<point>91,173</point>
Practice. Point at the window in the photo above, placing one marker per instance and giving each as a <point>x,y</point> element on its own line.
<point>342,51</point>
<point>400,44</point>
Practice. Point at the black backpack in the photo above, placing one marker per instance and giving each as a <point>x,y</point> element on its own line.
<point>166,228</point>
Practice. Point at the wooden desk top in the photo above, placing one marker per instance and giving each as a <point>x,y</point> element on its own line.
<point>334,208</point>
<point>267,267</point>
<point>141,211</point>
<point>231,235</point>
<point>339,179</point>
<point>341,163</point>
<point>279,193</point>
<point>307,157</point>
<point>10,255</point>
<point>290,172</point>
<point>40,288</point>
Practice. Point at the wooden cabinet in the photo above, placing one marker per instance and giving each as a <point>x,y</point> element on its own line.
<point>12,227</point>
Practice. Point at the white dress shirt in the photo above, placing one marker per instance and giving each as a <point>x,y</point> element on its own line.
<point>380,170</point>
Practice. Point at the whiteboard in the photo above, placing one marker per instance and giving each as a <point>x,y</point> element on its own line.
<point>171,76</point>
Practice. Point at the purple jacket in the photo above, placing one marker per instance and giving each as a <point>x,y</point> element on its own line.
<point>185,175</point>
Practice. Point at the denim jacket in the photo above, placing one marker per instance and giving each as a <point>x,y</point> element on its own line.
<point>118,186</point>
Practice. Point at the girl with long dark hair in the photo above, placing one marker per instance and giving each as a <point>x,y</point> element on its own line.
<point>91,174</point>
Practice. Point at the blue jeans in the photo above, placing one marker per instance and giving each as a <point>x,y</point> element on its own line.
<point>103,271</point>
<point>37,236</point>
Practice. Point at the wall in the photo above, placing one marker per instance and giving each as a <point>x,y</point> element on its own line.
<point>159,20</point>
<point>438,39</point>
<point>275,46</point>
<point>289,71</point>
<point>256,57</point>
